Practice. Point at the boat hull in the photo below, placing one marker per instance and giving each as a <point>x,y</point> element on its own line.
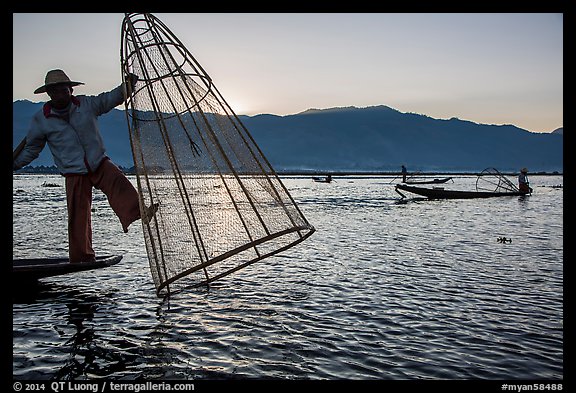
<point>36,268</point>
<point>437,193</point>
<point>433,181</point>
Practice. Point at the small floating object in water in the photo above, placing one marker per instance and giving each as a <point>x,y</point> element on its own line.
<point>46,184</point>
<point>504,240</point>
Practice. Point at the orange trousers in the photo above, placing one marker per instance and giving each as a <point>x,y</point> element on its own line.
<point>122,197</point>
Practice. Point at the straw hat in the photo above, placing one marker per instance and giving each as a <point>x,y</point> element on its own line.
<point>524,170</point>
<point>55,77</point>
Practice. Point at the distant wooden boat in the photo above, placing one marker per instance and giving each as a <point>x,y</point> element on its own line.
<point>489,184</point>
<point>46,184</point>
<point>432,181</point>
<point>441,193</point>
<point>323,179</point>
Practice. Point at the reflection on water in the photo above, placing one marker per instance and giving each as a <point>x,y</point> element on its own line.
<point>78,354</point>
<point>383,290</point>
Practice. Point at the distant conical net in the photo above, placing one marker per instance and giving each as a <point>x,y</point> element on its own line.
<point>221,206</point>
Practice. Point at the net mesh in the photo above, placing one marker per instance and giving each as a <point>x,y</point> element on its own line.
<point>221,206</point>
<point>491,180</point>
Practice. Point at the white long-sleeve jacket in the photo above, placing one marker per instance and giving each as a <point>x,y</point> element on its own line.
<point>76,145</point>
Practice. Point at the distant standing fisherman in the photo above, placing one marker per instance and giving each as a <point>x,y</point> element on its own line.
<point>404,173</point>
<point>523,183</point>
<point>69,125</point>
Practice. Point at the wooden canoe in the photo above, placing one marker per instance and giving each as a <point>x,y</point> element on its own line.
<point>35,268</point>
<point>441,193</point>
<point>432,181</point>
<point>327,179</point>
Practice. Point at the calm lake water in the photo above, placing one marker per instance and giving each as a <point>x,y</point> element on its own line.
<point>383,290</point>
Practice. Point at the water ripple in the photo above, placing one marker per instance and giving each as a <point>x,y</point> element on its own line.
<point>382,290</point>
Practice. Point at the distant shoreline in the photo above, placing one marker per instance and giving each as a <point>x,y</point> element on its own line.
<point>399,174</point>
<point>42,170</point>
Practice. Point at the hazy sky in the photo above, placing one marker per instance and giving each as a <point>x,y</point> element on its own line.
<point>501,68</point>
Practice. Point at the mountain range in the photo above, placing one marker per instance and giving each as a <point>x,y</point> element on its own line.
<point>376,138</point>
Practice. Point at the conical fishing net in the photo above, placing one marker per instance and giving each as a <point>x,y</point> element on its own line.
<point>491,180</point>
<point>221,206</point>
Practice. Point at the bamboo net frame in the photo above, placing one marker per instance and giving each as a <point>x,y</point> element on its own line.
<point>221,205</point>
<point>491,180</point>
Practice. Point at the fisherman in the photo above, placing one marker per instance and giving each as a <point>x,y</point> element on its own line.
<point>404,173</point>
<point>523,183</point>
<point>68,123</point>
